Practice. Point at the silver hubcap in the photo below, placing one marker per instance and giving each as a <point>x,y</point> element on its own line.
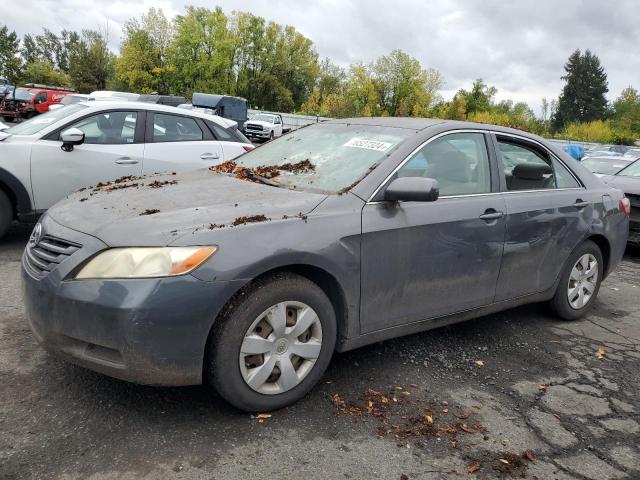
<point>582,281</point>
<point>281,347</point>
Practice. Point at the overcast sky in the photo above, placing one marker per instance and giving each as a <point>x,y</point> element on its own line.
<point>518,46</point>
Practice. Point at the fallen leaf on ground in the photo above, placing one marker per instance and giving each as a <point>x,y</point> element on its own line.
<point>464,414</point>
<point>473,468</point>
<point>528,454</point>
<point>543,387</point>
<point>600,353</point>
<point>505,461</point>
<point>479,363</point>
<point>404,477</point>
<point>263,416</point>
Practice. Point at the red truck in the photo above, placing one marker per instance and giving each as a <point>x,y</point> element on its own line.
<point>30,100</point>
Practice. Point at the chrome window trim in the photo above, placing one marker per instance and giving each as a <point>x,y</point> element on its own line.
<point>495,132</point>
<point>511,192</point>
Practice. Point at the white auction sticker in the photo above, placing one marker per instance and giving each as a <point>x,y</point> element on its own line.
<point>368,144</point>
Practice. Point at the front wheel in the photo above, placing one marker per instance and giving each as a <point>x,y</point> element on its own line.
<point>580,282</point>
<point>273,345</point>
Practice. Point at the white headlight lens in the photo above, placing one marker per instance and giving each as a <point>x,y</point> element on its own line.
<point>145,262</point>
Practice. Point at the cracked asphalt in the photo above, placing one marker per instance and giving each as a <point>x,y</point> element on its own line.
<point>525,379</point>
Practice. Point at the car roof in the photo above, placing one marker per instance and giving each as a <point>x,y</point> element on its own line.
<point>103,104</point>
<point>419,123</point>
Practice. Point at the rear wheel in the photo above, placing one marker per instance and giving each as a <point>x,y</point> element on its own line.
<point>273,345</point>
<point>580,282</point>
<point>6,213</point>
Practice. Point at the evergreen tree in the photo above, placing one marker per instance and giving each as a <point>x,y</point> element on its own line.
<point>582,98</point>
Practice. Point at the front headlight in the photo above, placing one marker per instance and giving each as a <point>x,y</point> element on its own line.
<point>145,262</point>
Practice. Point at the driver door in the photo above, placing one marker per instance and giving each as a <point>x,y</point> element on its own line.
<point>111,150</point>
<point>422,260</point>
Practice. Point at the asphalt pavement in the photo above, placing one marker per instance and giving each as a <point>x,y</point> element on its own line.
<point>518,394</point>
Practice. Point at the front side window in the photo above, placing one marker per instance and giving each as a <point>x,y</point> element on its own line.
<point>528,168</point>
<point>174,128</point>
<point>458,161</point>
<point>108,128</point>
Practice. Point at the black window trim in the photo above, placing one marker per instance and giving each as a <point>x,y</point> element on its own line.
<point>536,146</point>
<point>138,136</point>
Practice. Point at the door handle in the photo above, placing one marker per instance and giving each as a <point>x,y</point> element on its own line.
<point>126,161</point>
<point>580,204</point>
<point>491,214</point>
<point>209,156</point>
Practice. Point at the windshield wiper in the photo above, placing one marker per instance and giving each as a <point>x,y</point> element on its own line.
<point>261,179</point>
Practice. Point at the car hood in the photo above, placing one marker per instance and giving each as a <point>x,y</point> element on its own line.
<point>196,200</point>
<point>630,185</point>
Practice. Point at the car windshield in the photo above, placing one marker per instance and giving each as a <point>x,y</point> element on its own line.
<point>40,122</point>
<point>604,166</point>
<point>632,170</point>
<point>327,158</point>
<point>263,118</point>
<point>23,94</point>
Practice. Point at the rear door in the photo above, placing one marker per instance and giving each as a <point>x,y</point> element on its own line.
<point>428,259</point>
<point>112,149</point>
<point>175,143</point>
<point>548,212</point>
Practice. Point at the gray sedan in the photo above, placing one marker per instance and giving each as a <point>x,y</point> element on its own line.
<point>250,276</point>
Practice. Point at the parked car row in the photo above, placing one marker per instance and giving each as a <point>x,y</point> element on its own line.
<point>44,159</point>
<point>338,235</point>
<point>30,100</point>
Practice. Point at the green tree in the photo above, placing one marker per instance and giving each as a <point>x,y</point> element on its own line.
<point>10,64</point>
<point>479,98</point>
<point>583,95</point>
<point>90,62</point>
<point>626,110</point>
<point>41,71</point>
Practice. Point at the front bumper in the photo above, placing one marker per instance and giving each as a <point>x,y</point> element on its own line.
<point>150,331</point>
<point>257,134</point>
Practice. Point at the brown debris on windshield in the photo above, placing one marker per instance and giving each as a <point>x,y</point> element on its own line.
<point>265,171</point>
<point>159,184</point>
<point>150,211</point>
<point>252,219</point>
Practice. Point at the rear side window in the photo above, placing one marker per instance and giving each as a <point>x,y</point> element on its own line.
<point>175,128</point>
<point>230,134</point>
<point>458,161</point>
<point>526,167</point>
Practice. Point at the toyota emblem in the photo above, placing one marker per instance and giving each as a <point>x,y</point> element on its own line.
<point>36,235</point>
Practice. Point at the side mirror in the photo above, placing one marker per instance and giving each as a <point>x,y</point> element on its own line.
<point>71,137</point>
<point>412,189</point>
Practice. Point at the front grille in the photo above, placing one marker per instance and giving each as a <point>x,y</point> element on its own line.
<point>48,253</point>
<point>251,126</point>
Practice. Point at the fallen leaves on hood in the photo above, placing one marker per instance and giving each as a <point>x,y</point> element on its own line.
<point>473,468</point>
<point>528,454</point>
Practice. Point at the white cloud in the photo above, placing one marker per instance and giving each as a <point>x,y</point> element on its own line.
<point>519,47</point>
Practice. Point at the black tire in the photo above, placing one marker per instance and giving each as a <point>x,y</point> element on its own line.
<point>6,213</point>
<point>560,302</point>
<point>223,367</point>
